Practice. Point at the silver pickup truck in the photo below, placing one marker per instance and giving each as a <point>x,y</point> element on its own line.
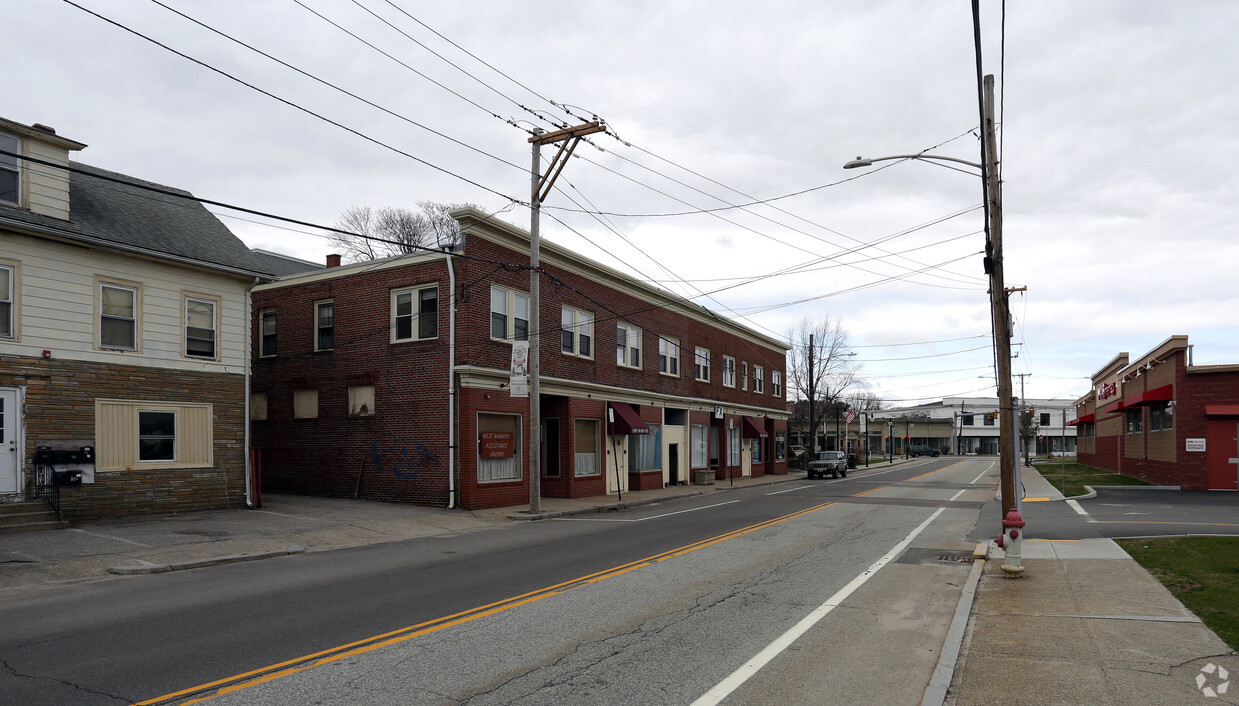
<point>833,462</point>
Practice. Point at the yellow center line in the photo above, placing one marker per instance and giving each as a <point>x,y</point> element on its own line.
<point>245,680</point>
<point>937,471</point>
<point>883,487</point>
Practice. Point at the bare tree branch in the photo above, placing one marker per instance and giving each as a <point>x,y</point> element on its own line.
<point>385,232</point>
<point>820,368</point>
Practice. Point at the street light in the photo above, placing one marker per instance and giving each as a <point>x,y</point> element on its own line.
<point>999,309</point>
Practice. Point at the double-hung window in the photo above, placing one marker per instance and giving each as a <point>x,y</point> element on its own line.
<point>669,356</point>
<point>415,313</point>
<point>10,170</point>
<point>628,345</point>
<point>577,332</point>
<point>729,371</point>
<point>776,382</point>
<point>266,334</point>
<point>8,294</point>
<point>509,314</point>
<point>744,375</point>
<point>156,435</point>
<point>200,328</point>
<point>118,317</point>
<point>758,382</point>
<point>324,325</point>
<point>701,364</point>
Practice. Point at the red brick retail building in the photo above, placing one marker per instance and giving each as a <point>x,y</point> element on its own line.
<point>394,380</point>
<point>1162,419</point>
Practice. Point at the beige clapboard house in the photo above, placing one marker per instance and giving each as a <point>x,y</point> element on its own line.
<point>123,331</point>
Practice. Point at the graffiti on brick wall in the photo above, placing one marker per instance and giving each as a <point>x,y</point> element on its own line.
<point>404,460</point>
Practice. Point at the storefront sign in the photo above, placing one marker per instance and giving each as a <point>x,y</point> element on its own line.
<point>1196,445</point>
<point>1107,390</point>
<point>496,444</point>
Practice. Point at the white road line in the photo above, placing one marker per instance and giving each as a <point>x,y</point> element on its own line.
<point>724,688</point>
<point>987,470</point>
<point>1076,506</point>
<point>957,495</point>
<point>799,487</point>
<point>651,517</point>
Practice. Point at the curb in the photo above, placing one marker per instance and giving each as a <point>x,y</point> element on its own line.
<point>948,659</point>
<point>613,507</point>
<point>149,568</point>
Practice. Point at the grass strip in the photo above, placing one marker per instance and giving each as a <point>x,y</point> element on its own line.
<point>1202,572</point>
<point>1070,478</point>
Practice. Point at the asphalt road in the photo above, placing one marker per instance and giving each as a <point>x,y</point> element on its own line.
<point>662,604</point>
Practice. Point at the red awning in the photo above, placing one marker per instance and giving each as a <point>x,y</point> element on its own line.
<point>1073,422</point>
<point>1113,408</point>
<point>751,428</point>
<point>1157,394</point>
<point>1090,417</point>
<point>1222,410</point>
<point>623,420</point>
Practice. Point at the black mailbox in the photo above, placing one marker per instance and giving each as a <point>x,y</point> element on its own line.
<point>43,455</point>
<point>60,457</point>
<point>73,457</point>
<point>88,454</point>
<point>66,478</point>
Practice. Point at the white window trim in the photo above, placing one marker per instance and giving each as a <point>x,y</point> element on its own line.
<point>759,385</point>
<point>630,331</point>
<point>509,315</point>
<point>415,295</point>
<point>176,441</point>
<point>776,382</point>
<point>12,296</point>
<point>729,371</point>
<point>317,307</point>
<point>578,322</point>
<point>744,375</point>
<point>262,317</point>
<point>670,347</point>
<point>215,304</point>
<point>137,315</point>
<point>701,364</point>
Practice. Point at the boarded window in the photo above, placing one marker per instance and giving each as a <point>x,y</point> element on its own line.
<point>361,400</point>
<point>499,447</point>
<point>258,406</point>
<point>305,404</point>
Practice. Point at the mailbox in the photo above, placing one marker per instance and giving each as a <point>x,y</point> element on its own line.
<point>88,454</point>
<point>43,456</point>
<point>66,478</point>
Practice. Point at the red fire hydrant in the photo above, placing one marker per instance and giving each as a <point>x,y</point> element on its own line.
<point>1012,527</point>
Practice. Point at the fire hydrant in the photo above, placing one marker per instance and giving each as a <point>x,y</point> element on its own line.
<point>1013,527</point>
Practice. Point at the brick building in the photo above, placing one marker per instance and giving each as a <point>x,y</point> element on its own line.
<point>123,312</point>
<point>393,379</point>
<point>1161,418</point>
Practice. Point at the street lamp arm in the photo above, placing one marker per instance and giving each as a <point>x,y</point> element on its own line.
<point>931,158</point>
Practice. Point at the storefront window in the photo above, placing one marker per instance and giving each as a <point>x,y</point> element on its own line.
<point>586,448</point>
<point>499,447</point>
<point>699,459</point>
<point>1135,420</point>
<point>780,446</point>
<point>645,451</point>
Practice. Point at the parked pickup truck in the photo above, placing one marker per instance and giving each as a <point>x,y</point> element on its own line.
<point>833,462</point>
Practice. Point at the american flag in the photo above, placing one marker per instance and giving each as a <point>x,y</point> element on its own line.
<point>850,416</point>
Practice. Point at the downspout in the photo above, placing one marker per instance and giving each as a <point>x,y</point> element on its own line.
<point>451,384</point>
<point>249,470</point>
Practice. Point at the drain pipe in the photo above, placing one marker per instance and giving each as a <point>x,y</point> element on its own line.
<point>249,468</point>
<point>451,382</point>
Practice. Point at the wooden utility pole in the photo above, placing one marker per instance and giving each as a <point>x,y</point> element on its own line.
<point>540,186</point>
<point>998,306</point>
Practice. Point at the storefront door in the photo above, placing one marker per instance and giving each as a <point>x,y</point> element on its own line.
<point>10,427</point>
<point>1222,454</point>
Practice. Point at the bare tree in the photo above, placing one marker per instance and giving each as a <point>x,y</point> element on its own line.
<point>820,368</point>
<point>865,400</point>
<point>384,232</point>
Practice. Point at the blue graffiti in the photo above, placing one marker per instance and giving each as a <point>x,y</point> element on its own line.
<point>403,461</point>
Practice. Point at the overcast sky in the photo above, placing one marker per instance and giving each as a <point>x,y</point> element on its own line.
<point>1120,139</point>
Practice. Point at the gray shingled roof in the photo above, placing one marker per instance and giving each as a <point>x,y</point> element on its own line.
<point>284,265</point>
<point>129,216</point>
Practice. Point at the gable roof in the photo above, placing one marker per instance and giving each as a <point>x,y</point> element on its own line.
<point>115,211</point>
<point>282,265</point>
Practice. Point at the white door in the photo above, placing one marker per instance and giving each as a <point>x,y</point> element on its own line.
<point>10,424</point>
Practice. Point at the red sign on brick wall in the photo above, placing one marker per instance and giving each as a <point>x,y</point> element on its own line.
<point>496,444</point>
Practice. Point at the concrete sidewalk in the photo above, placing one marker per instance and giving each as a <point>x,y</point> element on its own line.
<point>1084,624</point>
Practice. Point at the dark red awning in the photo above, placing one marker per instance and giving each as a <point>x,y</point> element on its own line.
<point>1113,408</point>
<point>1222,410</point>
<point>1090,417</point>
<point>1157,394</point>
<point>623,420</point>
<point>751,428</point>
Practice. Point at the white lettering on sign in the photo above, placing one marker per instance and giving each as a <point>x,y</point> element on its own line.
<point>1196,445</point>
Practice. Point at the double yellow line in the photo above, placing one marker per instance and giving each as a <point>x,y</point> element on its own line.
<point>239,682</point>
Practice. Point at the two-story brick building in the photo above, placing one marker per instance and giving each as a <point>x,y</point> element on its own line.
<point>392,379</point>
<point>1163,419</point>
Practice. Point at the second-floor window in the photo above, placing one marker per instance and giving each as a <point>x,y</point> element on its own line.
<point>744,375</point>
<point>628,345</point>
<point>701,364</point>
<point>200,328</point>
<point>509,314</point>
<point>324,326</point>
<point>118,317</point>
<point>577,332</point>
<point>6,301</point>
<point>266,334</point>
<point>729,371</point>
<point>10,169</point>
<point>415,313</point>
<point>669,356</point>
<point>776,382</point>
<point>759,382</point>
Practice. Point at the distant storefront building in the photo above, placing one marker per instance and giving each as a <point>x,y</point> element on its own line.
<point>1160,418</point>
